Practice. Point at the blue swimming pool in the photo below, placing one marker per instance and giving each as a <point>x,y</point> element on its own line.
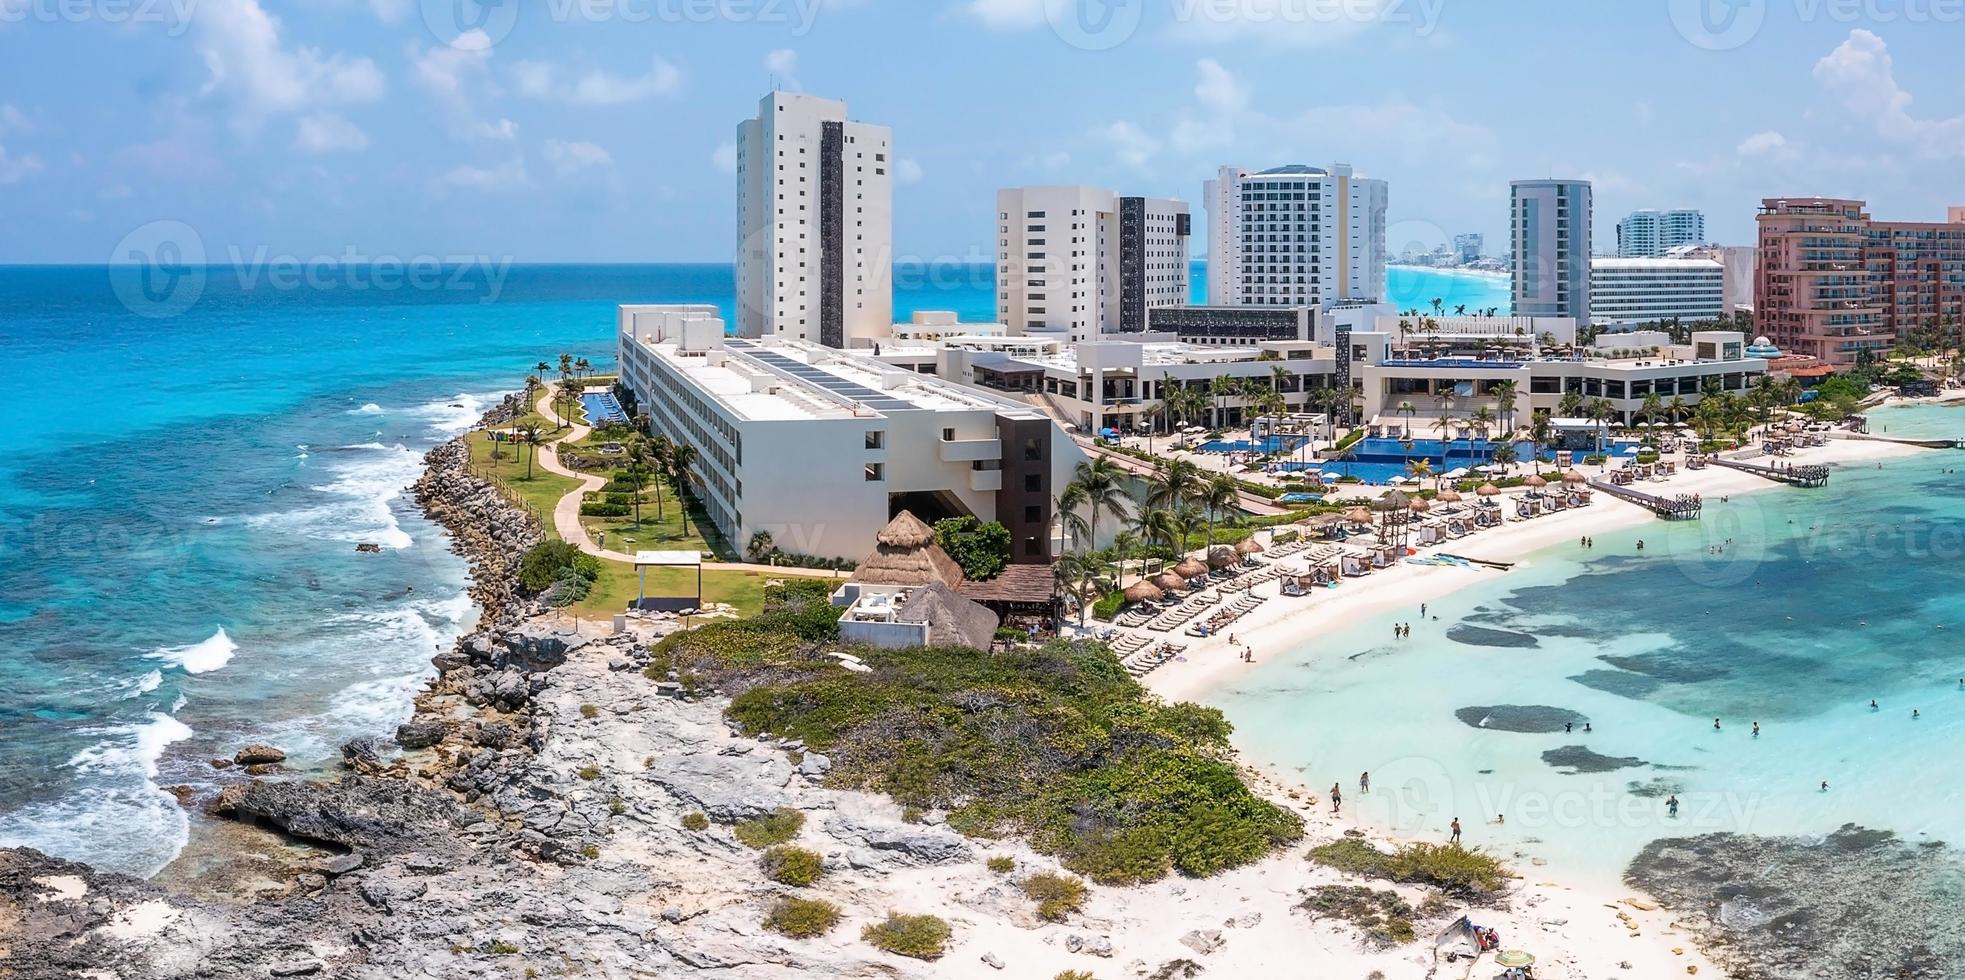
<point>602,407</point>
<point>1381,461</point>
<point>1267,444</point>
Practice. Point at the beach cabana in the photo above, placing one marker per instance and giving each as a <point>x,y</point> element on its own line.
<point>1191,569</point>
<point>1353,565</point>
<point>1574,478</point>
<point>1537,482</point>
<point>905,553</point>
<point>1358,515</point>
<point>1223,556</point>
<point>1143,592</point>
<point>1249,546</point>
<point>1170,582</point>
<point>1394,517</point>
<point>1450,497</point>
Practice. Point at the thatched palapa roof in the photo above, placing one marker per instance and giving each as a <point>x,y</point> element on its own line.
<point>952,620</point>
<point>906,554</point>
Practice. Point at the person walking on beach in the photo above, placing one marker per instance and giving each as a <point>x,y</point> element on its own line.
<point>1336,799</point>
<point>1825,785</point>
<point>1364,782</point>
<point>1756,729</point>
<point>1715,724</point>
<point>1671,805</point>
<point>1456,830</point>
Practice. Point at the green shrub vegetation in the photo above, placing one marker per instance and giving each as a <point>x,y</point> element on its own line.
<point>1385,918</point>
<point>1055,742</point>
<point>590,773</point>
<point>922,937</point>
<point>546,562</point>
<point>794,866</point>
<point>589,711</point>
<point>801,918</point>
<point>1057,896</point>
<point>1473,875</point>
<point>770,830</point>
<point>1002,864</point>
<point>1074,975</point>
<point>695,821</point>
<point>982,549</point>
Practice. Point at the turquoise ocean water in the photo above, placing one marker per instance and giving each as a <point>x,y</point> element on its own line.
<point>181,497</point>
<point>1820,602</point>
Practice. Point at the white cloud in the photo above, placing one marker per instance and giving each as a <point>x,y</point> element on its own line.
<point>449,70</point>
<point>782,66</point>
<point>246,60</point>
<point>503,129</point>
<point>1218,88</point>
<point>15,169</point>
<point>571,158</point>
<point>907,171</point>
<point>325,132</point>
<point>539,80</point>
<point>1294,23</point>
<point>1004,15</point>
<point>725,157</point>
<point>13,120</point>
<point>390,11</point>
<point>1763,144</point>
<point>504,176</point>
<point>1861,77</point>
<point>1130,143</point>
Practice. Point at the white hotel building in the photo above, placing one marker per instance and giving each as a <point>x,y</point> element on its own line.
<point>1689,283</point>
<point>821,447</point>
<point>1082,261</point>
<point>1295,236</point>
<point>1650,234</point>
<point>815,237</point>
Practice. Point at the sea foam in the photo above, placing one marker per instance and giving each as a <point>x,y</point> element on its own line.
<point>203,657</point>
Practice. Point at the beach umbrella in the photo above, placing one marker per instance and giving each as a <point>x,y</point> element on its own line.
<point>1223,557</point>
<point>1191,568</point>
<point>1170,582</point>
<point>1143,592</point>
<point>1450,497</point>
<point>1574,477</point>
<point>1420,506</point>
<point>1358,515</point>
<point>1537,482</point>
<point>1394,501</point>
<point>1513,958</point>
<point>1489,490</point>
<point>1249,546</point>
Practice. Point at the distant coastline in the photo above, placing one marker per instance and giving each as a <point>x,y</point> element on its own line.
<point>1459,272</point>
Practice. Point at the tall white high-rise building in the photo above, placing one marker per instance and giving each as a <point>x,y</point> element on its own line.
<point>1084,261</point>
<point>1549,235</point>
<point>1650,234</point>
<point>1295,236</point>
<point>815,228</point>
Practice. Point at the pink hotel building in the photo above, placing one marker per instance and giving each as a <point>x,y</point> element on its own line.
<point>1834,282</point>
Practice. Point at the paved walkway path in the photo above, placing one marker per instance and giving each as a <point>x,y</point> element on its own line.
<point>566,514</point>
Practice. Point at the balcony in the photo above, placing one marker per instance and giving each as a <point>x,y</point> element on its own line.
<point>986,481</point>
<point>971,450</point>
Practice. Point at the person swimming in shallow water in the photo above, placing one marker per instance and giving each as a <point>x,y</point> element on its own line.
<point>1671,804</point>
<point>1715,724</point>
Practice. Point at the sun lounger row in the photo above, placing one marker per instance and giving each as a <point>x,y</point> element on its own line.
<point>1235,610</point>
<point>1142,664</point>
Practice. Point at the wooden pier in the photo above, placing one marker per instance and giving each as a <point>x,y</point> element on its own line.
<point>1684,507</point>
<point>1811,475</point>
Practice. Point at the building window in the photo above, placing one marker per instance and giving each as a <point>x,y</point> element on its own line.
<point>875,472</point>
<point>1033,483</point>
<point>948,435</point>
<point>876,439</point>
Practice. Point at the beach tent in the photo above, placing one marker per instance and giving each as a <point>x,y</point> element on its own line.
<point>1143,592</point>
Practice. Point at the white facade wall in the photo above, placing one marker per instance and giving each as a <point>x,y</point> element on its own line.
<point>780,238</point>
<point>1060,268</point>
<point>1295,236</point>
<point>1649,234</point>
<point>1629,291</point>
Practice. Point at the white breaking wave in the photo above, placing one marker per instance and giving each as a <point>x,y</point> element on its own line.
<point>369,409</point>
<point>210,654</point>
<point>116,817</point>
<point>145,684</point>
<point>358,505</point>
<point>454,415</point>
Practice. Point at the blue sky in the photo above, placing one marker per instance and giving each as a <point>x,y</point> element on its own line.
<point>599,130</point>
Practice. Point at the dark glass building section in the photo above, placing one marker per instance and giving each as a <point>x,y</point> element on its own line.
<point>1132,265</point>
<point>832,232</point>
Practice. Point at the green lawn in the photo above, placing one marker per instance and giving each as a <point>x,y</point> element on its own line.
<point>618,583</point>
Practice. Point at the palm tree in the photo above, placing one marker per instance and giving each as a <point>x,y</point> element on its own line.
<point>567,401</point>
<point>1419,469</point>
<point>682,469</point>
<point>1542,433</point>
<point>1505,393</point>
<point>1571,405</point>
<point>1677,408</point>
<point>531,433</point>
<point>760,547</point>
<point>1651,407</point>
<point>1072,524</point>
<point>1077,569</point>
<point>1406,409</point>
<point>1219,494</point>
<point>659,452</point>
<point>1151,413</point>
<point>1482,421</point>
<point>636,473</point>
<point>1601,412</point>
<point>1102,491</point>
<point>566,364</point>
<point>1504,455</point>
<point>582,366</point>
<point>1445,402</point>
<point>1176,483</point>
<point>1157,526</point>
<point>1191,520</point>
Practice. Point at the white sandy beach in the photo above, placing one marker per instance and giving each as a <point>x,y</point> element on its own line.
<point>1579,928</point>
